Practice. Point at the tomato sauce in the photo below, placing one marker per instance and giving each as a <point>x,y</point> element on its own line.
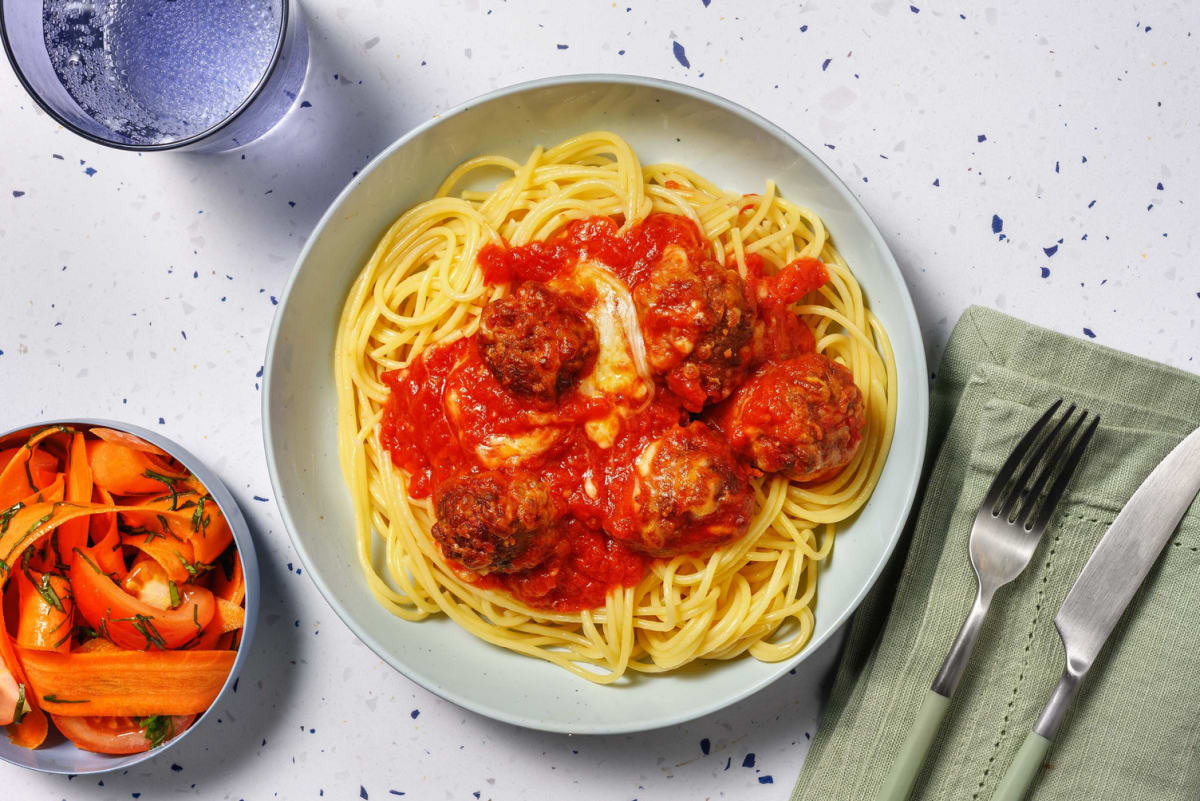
<point>446,411</point>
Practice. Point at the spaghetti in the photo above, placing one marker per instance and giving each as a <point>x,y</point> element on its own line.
<point>424,288</point>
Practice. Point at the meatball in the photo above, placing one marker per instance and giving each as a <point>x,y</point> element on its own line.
<point>802,417</point>
<point>493,522</point>
<point>537,343</point>
<point>697,320</point>
<point>686,492</point>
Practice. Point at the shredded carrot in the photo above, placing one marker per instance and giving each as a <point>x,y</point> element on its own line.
<point>74,509</point>
<point>127,682</point>
<point>46,611</point>
<point>124,471</point>
<point>126,439</point>
<point>73,534</point>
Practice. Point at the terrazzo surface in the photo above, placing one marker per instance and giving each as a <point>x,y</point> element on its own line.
<point>1038,158</point>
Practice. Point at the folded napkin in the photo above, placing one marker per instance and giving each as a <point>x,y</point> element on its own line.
<point>1134,731</point>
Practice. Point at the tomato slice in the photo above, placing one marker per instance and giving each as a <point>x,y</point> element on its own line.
<point>114,735</point>
<point>130,622</point>
<point>147,581</point>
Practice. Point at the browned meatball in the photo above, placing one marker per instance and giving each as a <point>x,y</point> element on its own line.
<point>536,342</point>
<point>495,522</point>
<point>697,321</point>
<point>802,417</point>
<point>686,492</point>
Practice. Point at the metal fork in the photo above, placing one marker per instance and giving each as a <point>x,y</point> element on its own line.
<point>1007,529</point>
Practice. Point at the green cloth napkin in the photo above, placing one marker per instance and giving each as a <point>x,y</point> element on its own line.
<point>1134,731</point>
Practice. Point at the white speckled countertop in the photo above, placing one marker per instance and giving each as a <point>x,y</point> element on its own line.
<point>1042,160</point>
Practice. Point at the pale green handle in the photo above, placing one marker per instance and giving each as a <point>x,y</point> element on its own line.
<point>912,754</point>
<point>1024,767</point>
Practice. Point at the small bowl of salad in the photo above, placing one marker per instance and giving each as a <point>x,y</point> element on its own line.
<point>129,589</point>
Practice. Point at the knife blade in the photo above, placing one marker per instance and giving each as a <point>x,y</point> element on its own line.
<point>1113,573</point>
<point>1123,558</point>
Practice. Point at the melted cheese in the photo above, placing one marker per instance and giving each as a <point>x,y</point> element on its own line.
<point>621,373</point>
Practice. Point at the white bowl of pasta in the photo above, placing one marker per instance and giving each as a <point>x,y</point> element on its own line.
<point>573,393</point>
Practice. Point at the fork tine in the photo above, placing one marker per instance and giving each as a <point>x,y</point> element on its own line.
<point>1049,465</point>
<point>1060,484</point>
<point>1020,486</point>
<point>1014,459</point>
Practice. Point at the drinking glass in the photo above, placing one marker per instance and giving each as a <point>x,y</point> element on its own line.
<point>152,75</point>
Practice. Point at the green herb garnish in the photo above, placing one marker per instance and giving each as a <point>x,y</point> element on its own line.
<point>175,600</point>
<point>158,729</point>
<point>19,714</point>
<point>54,699</point>
<point>8,514</point>
<point>170,481</point>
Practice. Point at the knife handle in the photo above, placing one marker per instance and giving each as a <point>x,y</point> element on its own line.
<point>912,754</point>
<point>1024,767</point>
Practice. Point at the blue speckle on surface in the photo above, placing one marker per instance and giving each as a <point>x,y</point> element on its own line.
<point>1045,272</point>
<point>162,422</point>
<point>981,138</point>
<point>362,791</point>
<point>1050,251</point>
<point>89,171</point>
<point>176,767</point>
<point>1093,203</point>
<point>18,193</point>
<point>305,104</point>
<point>706,2</point>
<point>1084,160</point>
<point>1160,186</point>
<point>260,499</point>
<point>620,52</point>
<point>414,714</point>
<point>766,780</point>
<point>1090,333</point>
<point>937,182</point>
<point>728,762</point>
<point>997,224</point>
<point>705,745</point>
<point>680,55</point>
<point>914,9</point>
<point>1056,166</point>
<point>561,46</point>
<point>825,64</point>
<point>748,762</point>
<point>803,28</point>
<point>396,792</point>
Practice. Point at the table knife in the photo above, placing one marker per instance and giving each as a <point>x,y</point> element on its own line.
<point>1104,589</point>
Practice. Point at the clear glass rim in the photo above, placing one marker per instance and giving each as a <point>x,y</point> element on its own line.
<point>284,20</point>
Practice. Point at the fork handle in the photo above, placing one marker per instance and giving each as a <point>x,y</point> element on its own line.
<point>912,754</point>
<point>1024,767</point>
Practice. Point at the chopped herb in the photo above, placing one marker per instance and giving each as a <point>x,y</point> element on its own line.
<point>44,519</point>
<point>170,482</point>
<point>8,514</point>
<point>198,518</point>
<point>189,567</point>
<point>166,527</point>
<point>22,707</point>
<point>54,699</point>
<point>196,618</point>
<point>46,590</point>
<point>175,601</point>
<point>145,627</point>
<point>66,636</point>
<point>92,564</point>
<point>158,729</point>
